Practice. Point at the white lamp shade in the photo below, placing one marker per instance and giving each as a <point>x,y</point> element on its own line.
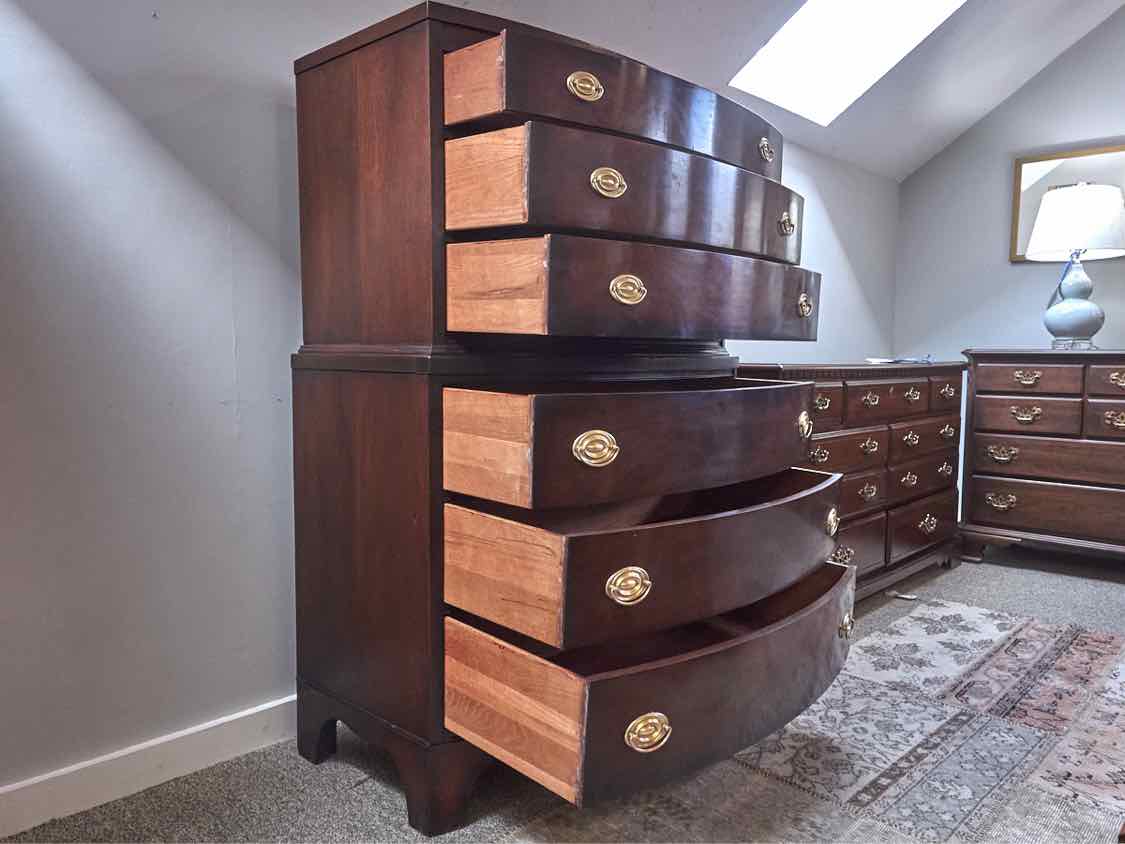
<point>1082,216</point>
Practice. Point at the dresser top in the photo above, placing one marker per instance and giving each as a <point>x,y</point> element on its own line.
<point>835,371</point>
<point>1074,355</point>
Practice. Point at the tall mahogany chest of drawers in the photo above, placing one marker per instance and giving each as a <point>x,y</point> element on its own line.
<point>1045,450</point>
<point>538,517</point>
<point>895,431</point>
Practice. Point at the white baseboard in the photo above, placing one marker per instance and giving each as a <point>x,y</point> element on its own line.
<point>87,784</point>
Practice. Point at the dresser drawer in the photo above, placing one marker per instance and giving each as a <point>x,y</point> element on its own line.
<point>945,393</point>
<point>1105,418</point>
<point>1028,414</point>
<point>918,477</point>
<point>519,75</point>
<point>848,451</point>
<point>863,544</point>
<point>911,439</point>
<point>566,445</point>
<point>1028,378</point>
<point>1106,380</point>
<point>598,722</point>
<point>828,405</point>
<point>1090,512</point>
<point>550,176</point>
<point>920,524</point>
<point>560,285</point>
<point>871,401</point>
<point>1084,461</point>
<point>862,491</point>
<point>577,577</point>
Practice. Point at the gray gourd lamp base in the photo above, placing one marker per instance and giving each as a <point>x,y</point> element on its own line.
<point>1071,317</point>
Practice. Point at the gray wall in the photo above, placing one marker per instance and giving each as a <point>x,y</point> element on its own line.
<point>955,287</point>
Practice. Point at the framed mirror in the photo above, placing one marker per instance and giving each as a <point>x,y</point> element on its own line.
<point>1036,174</point>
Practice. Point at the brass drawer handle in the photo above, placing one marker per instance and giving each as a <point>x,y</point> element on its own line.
<point>1115,419</point>
<point>869,446</point>
<point>948,432</point>
<point>913,394</point>
<point>822,402</point>
<point>911,439</point>
<point>1003,453</point>
<point>868,491</point>
<point>842,555</point>
<point>1026,415</point>
<point>785,224</point>
<point>648,732</point>
<point>628,586</point>
<point>1001,500</point>
<point>1028,378</point>
<point>945,469</point>
<point>608,182</point>
<point>765,149</point>
<point>909,479</point>
<point>871,399</point>
<point>928,524</point>
<point>628,289</point>
<point>1117,379</point>
<point>596,448</point>
<point>948,391</point>
<point>847,625</point>
<point>804,306</point>
<point>585,86</point>
<point>819,455</point>
<point>804,425</point>
<point>832,522</point>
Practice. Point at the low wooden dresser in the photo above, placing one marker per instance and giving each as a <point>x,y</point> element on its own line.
<point>1045,450</point>
<point>538,517</point>
<point>894,431</point>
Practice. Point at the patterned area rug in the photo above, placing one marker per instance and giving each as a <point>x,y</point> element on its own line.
<point>959,723</point>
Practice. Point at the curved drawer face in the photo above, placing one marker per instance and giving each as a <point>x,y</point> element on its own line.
<point>913,439</point>
<point>1090,512</point>
<point>565,286</point>
<point>1082,461</point>
<point>578,577</point>
<point>518,75</point>
<point>611,442</point>
<point>872,401</point>
<point>550,176</point>
<point>1028,414</point>
<point>921,524</point>
<point>924,475</point>
<point>1106,380</point>
<point>848,451</point>
<point>601,721</point>
<point>1063,378</point>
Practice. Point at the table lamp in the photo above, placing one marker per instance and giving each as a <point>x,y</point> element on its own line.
<point>1074,222</point>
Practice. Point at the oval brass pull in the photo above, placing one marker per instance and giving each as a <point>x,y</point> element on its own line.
<point>628,289</point>
<point>871,399</point>
<point>869,446</point>
<point>909,479</point>
<point>596,448</point>
<point>847,625</point>
<point>948,432</point>
<point>1003,453</point>
<point>765,149</point>
<point>819,455</point>
<point>832,522</point>
<point>608,182</point>
<point>1115,419</point>
<point>804,425</point>
<point>585,86</point>
<point>1026,415</point>
<point>868,491</point>
<point>628,586</point>
<point>842,555</point>
<point>911,439</point>
<point>804,306</point>
<point>1001,500</point>
<point>822,402</point>
<point>1117,379</point>
<point>648,732</point>
<point>913,394</point>
<point>945,469</point>
<point>785,224</point>
<point>948,391</point>
<point>1028,378</point>
<point>928,524</point>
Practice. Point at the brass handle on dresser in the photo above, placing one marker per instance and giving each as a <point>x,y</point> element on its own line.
<point>822,402</point>
<point>948,391</point>
<point>595,448</point>
<point>869,446</point>
<point>765,149</point>
<point>1003,453</point>
<point>785,224</point>
<point>847,625</point>
<point>868,491</point>
<point>804,425</point>
<point>911,439</point>
<point>928,524</point>
<point>1026,415</point>
<point>871,399</point>
<point>909,479</point>
<point>1117,379</point>
<point>945,469</point>
<point>819,455</point>
<point>1001,500</point>
<point>1115,419</point>
<point>1028,378</point>
<point>608,182</point>
<point>585,86</point>
<point>948,432</point>
<point>648,732</point>
<point>832,522</point>
<point>842,555</point>
<point>628,289</point>
<point>913,394</point>
<point>804,306</point>
<point>628,586</point>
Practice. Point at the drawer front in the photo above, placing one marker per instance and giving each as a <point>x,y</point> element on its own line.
<point>556,177</point>
<point>863,544</point>
<point>945,392</point>
<point>848,451</point>
<point>911,439</point>
<point>1028,414</point>
<point>1106,380</point>
<point>1065,379</point>
<point>1105,418</point>
<point>871,401</point>
<point>1082,461</point>
<point>913,527</point>
<point>520,74</point>
<point>599,722</point>
<point>862,491</point>
<point>922,476</point>
<point>573,449</point>
<point>828,405</point>
<point>560,285</point>
<point>1089,512</point>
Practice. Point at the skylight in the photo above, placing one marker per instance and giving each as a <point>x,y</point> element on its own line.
<point>831,51</point>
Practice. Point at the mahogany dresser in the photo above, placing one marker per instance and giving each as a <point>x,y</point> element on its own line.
<point>538,518</point>
<point>894,431</point>
<point>1045,450</point>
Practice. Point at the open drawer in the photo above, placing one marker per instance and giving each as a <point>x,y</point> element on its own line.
<point>581,576</point>
<point>602,721</point>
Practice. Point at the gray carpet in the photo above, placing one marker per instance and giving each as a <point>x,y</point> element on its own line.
<point>274,795</point>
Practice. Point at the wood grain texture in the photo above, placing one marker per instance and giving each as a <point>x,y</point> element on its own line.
<point>1049,458</point>
<point>849,450</point>
<point>1055,415</point>
<point>474,80</point>
<point>866,539</point>
<point>889,399</point>
<point>932,434</point>
<point>486,439</point>
<point>498,286</point>
<point>905,537</point>
<point>1063,378</point>
<point>1104,418</point>
<point>1065,510</point>
<point>486,179</point>
<point>1106,380</point>
<point>922,476</point>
